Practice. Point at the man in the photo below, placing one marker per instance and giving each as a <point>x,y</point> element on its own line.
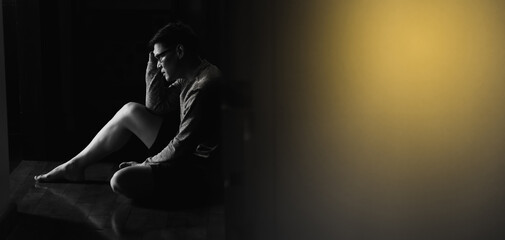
<point>178,82</point>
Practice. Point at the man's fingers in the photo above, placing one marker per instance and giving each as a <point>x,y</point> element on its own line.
<point>151,64</point>
<point>126,164</point>
<point>122,165</point>
<point>151,57</point>
<point>152,68</point>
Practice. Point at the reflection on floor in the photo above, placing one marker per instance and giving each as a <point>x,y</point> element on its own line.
<point>92,211</point>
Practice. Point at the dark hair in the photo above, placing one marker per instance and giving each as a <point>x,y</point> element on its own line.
<point>176,33</point>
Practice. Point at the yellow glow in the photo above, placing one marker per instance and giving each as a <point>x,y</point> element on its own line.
<point>422,75</point>
<point>399,116</point>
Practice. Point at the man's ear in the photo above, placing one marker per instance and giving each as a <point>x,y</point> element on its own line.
<point>179,50</point>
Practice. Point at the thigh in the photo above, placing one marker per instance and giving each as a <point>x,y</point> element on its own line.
<point>144,124</point>
<point>135,182</point>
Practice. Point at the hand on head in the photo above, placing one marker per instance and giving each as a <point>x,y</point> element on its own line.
<point>152,70</point>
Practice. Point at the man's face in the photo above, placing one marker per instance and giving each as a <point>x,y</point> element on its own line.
<point>167,61</point>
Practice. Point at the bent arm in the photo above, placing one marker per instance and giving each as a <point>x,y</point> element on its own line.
<point>161,97</point>
<point>199,128</point>
<point>189,131</point>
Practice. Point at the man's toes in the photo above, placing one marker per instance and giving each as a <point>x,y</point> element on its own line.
<point>40,178</point>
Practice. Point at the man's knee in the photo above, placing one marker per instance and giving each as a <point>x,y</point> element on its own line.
<point>133,182</point>
<point>132,108</point>
<point>121,181</point>
<point>117,182</point>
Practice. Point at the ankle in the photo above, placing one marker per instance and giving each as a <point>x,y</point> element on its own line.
<point>74,164</point>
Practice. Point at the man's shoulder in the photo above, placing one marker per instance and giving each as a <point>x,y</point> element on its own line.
<point>211,73</point>
<point>210,76</point>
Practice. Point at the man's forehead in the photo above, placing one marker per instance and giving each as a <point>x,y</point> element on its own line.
<point>158,48</point>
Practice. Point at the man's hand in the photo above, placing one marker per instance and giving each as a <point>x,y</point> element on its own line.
<point>129,164</point>
<point>152,70</point>
<point>147,162</point>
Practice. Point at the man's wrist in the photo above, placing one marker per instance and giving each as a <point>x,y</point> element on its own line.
<point>149,161</point>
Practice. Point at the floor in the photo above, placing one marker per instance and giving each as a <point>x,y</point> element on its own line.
<point>92,211</point>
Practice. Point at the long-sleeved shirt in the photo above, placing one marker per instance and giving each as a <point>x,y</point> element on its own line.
<point>197,100</point>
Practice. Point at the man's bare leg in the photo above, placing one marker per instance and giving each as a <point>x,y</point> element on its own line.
<point>133,118</point>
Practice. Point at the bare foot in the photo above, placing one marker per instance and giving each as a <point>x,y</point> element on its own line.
<point>64,172</point>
